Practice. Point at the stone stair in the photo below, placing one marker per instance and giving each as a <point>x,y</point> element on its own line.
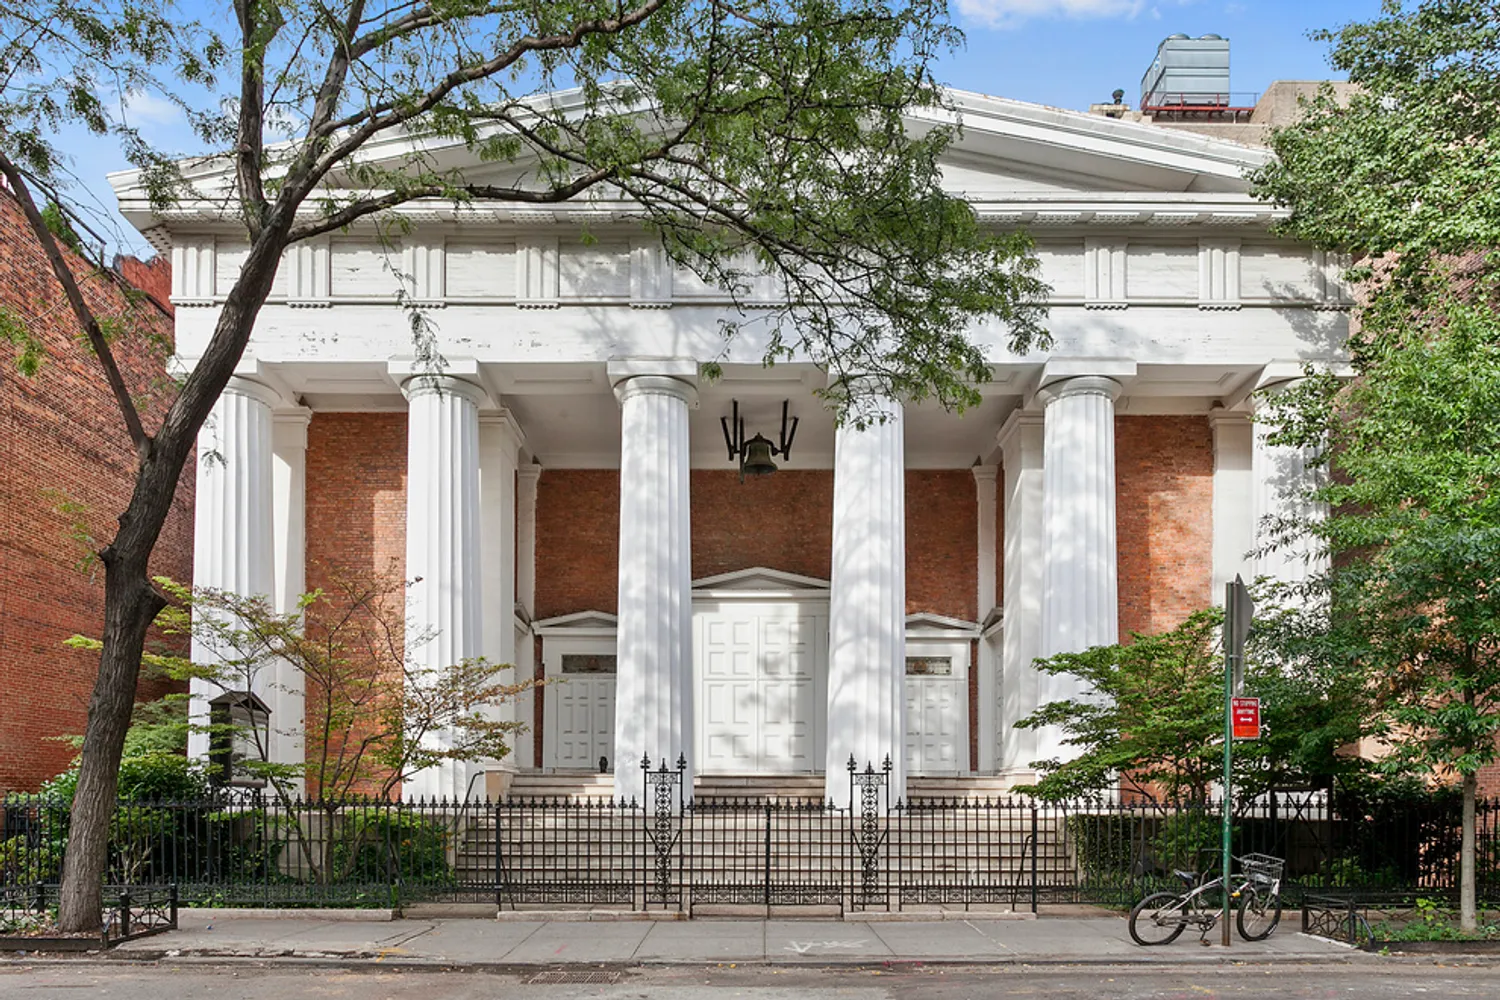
<point>593,786</point>
<point>935,850</point>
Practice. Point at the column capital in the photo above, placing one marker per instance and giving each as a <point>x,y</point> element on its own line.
<point>1079,385</point>
<point>1007,437</point>
<point>656,385</point>
<point>437,385</point>
<point>1222,417</point>
<point>984,474</point>
<point>289,428</point>
<point>683,369</point>
<point>505,422</point>
<point>529,472</point>
<point>238,385</point>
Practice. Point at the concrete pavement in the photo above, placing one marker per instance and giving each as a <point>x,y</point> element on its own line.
<point>518,941</point>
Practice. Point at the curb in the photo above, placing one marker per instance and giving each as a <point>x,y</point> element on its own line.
<point>377,961</point>
<point>200,915</point>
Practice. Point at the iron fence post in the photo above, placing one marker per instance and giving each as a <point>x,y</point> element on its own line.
<point>1034,843</point>
<point>124,914</point>
<point>767,885</point>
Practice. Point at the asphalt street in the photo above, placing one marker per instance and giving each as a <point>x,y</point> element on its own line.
<point>74,980</point>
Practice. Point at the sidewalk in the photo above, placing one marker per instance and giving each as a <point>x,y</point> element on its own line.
<point>517,941</point>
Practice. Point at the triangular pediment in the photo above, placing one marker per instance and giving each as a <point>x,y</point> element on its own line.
<point>1008,152</point>
<point>578,621</point>
<point>760,578</point>
<point>1010,148</point>
<point>926,623</point>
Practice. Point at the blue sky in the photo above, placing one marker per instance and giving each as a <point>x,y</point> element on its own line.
<point>1066,53</point>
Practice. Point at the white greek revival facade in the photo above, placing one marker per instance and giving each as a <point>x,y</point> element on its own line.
<point>1172,304</point>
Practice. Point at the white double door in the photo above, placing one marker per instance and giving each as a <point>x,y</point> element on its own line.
<point>761,686</point>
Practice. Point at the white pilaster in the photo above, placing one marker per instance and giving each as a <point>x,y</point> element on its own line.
<point>654,679</point>
<point>442,543</point>
<point>500,443</point>
<point>232,532</point>
<point>1080,574</point>
<point>1020,440</point>
<point>289,489</point>
<point>526,482</point>
<point>986,490</point>
<point>1234,488</point>
<point>1279,473</point>
<point>867,604</point>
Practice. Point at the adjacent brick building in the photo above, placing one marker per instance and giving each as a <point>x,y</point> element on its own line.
<point>66,470</point>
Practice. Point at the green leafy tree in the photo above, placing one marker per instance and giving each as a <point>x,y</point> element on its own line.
<point>762,137</point>
<point>372,711</point>
<point>1400,173</point>
<point>1402,177</point>
<point>1154,716</point>
<point>1414,531</point>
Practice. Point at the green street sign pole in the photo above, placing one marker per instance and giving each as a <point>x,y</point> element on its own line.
<point>1230,633</point>
<point>1239,611</point>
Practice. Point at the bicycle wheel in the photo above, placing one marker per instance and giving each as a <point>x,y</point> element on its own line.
<point>1259,912</point>
<point>1157,919</point>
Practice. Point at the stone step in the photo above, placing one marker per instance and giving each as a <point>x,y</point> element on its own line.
<point>591,785</point>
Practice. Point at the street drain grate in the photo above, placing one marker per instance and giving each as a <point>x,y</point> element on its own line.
<point>573,978</point>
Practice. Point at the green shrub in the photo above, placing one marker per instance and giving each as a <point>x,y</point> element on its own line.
<point>387,845</point>
<point>1188,839</point>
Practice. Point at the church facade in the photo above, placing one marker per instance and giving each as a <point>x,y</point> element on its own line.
<point>561,494</point>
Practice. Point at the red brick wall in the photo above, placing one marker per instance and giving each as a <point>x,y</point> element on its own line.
<point>61,438</point>
<point>356,494</point>
<point>942,543</point>
<point>1164,469</point>
<point>356,517</point>
<point>782,522</point>
<point>577,541</point>
<point>154,277</point>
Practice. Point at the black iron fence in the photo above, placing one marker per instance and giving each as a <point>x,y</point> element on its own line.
<point>130,912</point>
<point>256,849</point>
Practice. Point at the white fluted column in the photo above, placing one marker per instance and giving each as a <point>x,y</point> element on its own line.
<point>1020,441</point>
<point>232,530</point>
<point>654,671</point>
<point>1280,473</point>
<point>289,489</point>
<point>442,543</point>
<point>1080,565</point>
<point>500,442</point>
<point>867,604</point>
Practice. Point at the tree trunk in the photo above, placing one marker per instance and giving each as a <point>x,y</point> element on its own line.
<point>1468,919</point>
<point>130,606</point>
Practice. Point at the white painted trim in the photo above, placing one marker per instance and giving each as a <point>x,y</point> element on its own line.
<point>925,625</point>
<point>793,582</point>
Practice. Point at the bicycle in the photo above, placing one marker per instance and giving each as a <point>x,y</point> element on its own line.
<point>1161,917</point>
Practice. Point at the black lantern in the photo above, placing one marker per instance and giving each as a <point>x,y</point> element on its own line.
<point>755,456</point>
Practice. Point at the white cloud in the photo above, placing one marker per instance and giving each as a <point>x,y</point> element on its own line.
<point>1008,13</point>
<point>145,108</point>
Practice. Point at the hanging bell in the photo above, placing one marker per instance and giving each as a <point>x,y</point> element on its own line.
<point>757,460</point>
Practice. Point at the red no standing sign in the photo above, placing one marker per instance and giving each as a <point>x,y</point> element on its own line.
<point>1245,715</point>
